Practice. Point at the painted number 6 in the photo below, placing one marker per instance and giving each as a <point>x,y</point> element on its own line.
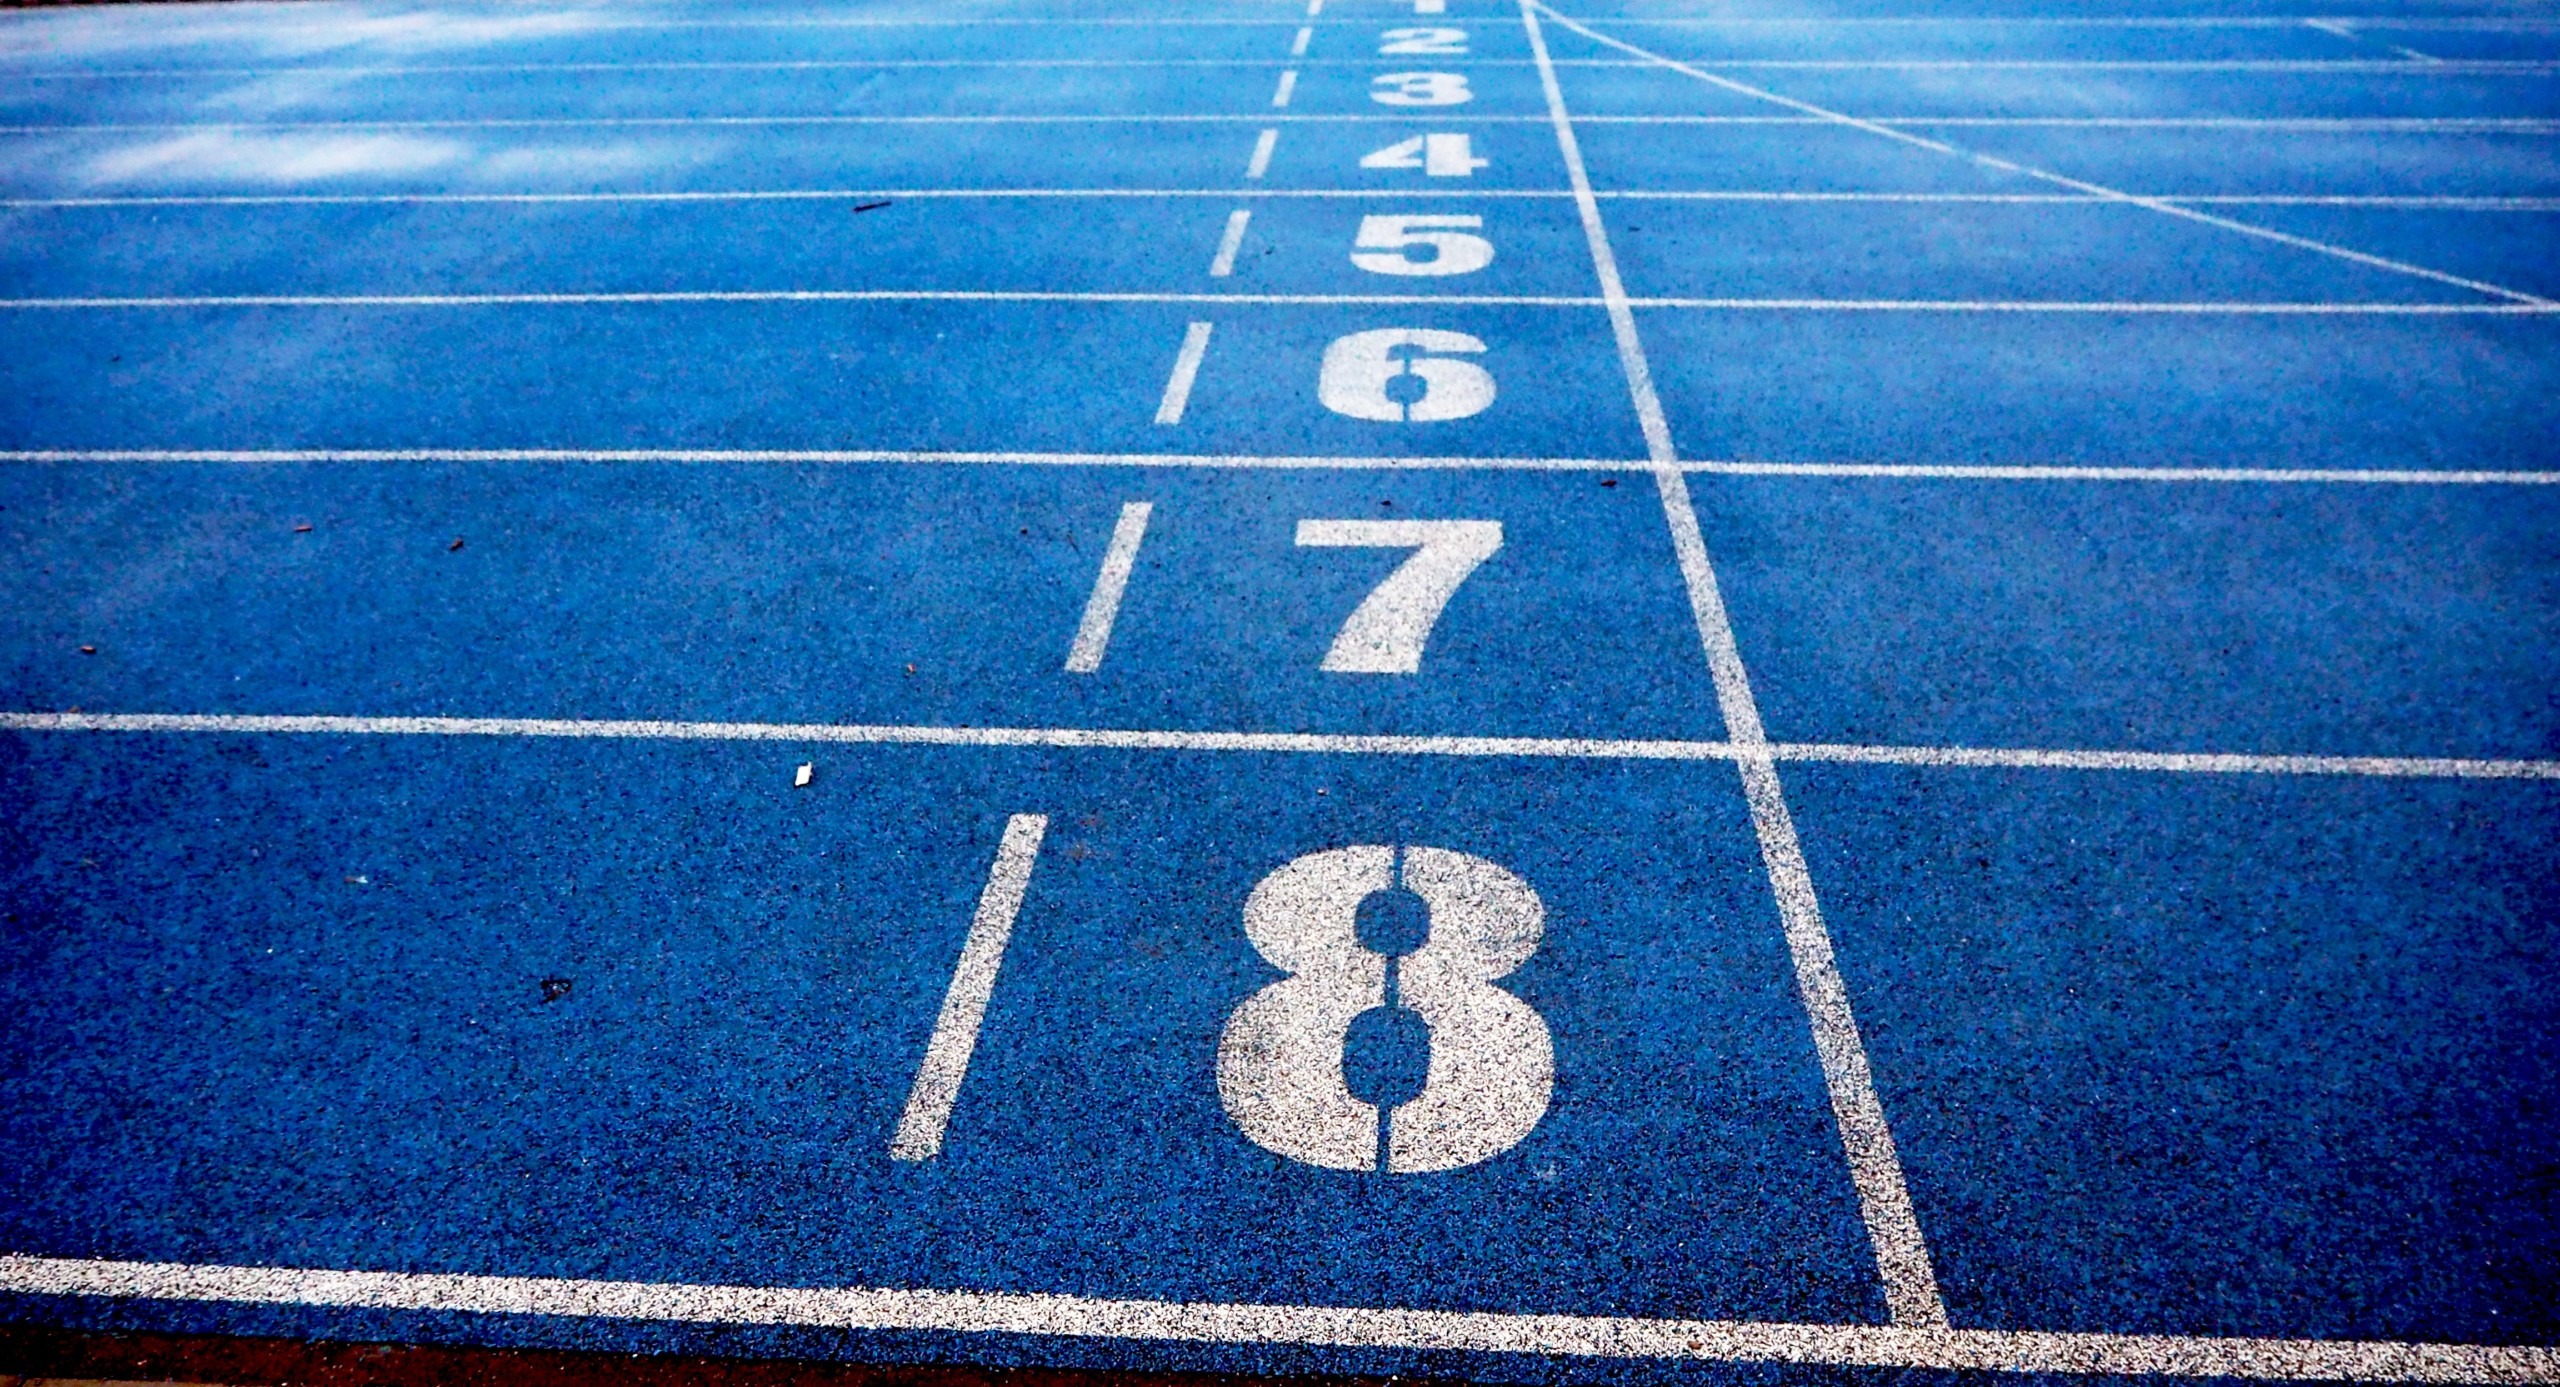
<point>1492,1068</point>
<point>1356,371</point>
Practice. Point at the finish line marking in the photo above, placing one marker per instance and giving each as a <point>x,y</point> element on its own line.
<point>1586,1336</point>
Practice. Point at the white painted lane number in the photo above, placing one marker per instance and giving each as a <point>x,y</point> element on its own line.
<point>1385,242</point>
<point>1420,89</point>
<point>1438,156</point>
<point>1353,378</point>
<point>1385,634</point>
<point>1492,1069</point>
<point>1395,41</point>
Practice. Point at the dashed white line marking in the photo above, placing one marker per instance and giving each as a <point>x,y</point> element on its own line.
<point>1186,369</point>
<point>1263,144</point>
<point>1224,262</point>
<point>964,1005</point>
<point>1298,45</point>
<point>1288,84</point>
<point>1110,582</point>
<point>1579,1336</point>
<point>1875,1169</point>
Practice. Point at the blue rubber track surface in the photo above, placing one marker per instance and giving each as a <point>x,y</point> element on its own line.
<point>661,654</point>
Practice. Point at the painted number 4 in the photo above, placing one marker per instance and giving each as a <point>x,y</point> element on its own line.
<point>1438,156</point>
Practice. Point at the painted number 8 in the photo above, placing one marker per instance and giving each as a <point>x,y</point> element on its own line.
<point>1492,1067</point>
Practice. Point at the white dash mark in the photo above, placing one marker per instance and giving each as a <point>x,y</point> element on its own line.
<point>1224,262</point>
<point>1314,8</point>
<point>1298,45</point>
<point>1288,84</point>
<point>1260,163</point>
<point>1186,367</point>
<point>1093,634</point>
<point>964,1006</point>
<point>801,777</point>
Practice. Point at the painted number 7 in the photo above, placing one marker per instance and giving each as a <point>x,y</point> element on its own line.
<point>1386,632</point>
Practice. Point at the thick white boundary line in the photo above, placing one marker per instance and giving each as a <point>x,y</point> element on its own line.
<point>1875,1169</point>
<point>1581,1336</point>
<point>2445,202</point>
<point>964,1004</point>
<point>2524,307</point>
<point>2169,209</point>
<point>2286,476</point>
<point>1283,743</point>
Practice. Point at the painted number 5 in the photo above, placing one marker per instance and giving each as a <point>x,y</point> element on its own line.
<point>1431,384</point>
<point>1492,1068</point>
<point>1385,245</point>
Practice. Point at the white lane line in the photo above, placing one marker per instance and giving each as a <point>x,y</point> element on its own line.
<point>732,456</point>
<point>581,122</point>
<point>1288,84</point>
<point>2319,124</point>
<point>964,1006</point>
<point>1310,462</point>
<point>1579,1336</point>
<point>1263,144</point>
<point>1110,582</point>
<point>2283,476</point>
<point>1186,369</point>
<point>1875,1169</point>
<point>1314,8</point>
<point>2409,63</point>
<point>1290,743</point>
<point>1298,45</point>
<point>1223,263</point>
<point>2528,309</point>
<point>1259,164</point>
<point>2170,209</point>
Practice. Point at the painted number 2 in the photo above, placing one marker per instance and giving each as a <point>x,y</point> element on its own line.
<point>1492,1067</point>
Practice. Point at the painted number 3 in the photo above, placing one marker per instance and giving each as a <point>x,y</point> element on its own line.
<point>1492,1066</point>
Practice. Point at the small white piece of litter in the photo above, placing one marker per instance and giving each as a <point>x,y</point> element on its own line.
<point>801,776</point>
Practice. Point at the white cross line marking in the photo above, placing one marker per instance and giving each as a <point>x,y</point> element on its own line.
<point>964,1005</point>
<point>2019,472</point>
<point>2530,308</point>
<point>2450,202</point>
<point>1110,583</point>
<point>1583,1336</point>
<point>1291,743</point>
<point>2170,209</point>
<point>1875,1169</point>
